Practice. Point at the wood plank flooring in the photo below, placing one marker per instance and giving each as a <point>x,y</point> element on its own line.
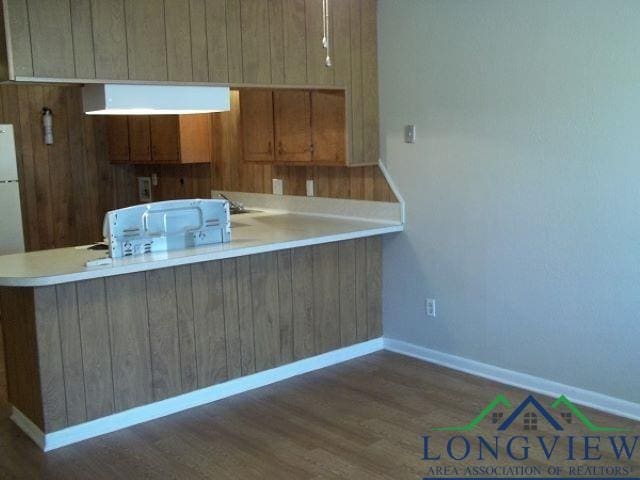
<point>363,419</point>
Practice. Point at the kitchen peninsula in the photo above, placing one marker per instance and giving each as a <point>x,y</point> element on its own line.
<point>93,349</point>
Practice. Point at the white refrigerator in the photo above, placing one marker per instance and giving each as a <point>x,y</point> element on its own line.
<point>11,235</point>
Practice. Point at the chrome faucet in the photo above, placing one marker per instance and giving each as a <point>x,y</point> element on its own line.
<point>234,207</point>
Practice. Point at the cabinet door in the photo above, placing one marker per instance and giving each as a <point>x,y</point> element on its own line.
<point>139,140</point>
<point>118,138</point>
<point>292,125</point>
<point>328,127</point>
<point>195,138</point>
<point>256,110</point>
<point>165,143</point>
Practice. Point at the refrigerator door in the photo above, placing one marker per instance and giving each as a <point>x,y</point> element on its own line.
<point>11,237</point>
<point>8,165</point>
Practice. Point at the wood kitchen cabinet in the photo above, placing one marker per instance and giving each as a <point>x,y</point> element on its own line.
<point>159,139</point>
<point>306,126</point>
<point>256,107</point>
<point>292,121</point>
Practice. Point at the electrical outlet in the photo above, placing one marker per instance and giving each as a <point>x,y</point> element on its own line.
<point>144,189</point>
<point>430,306</point>
<point>277,186</point>
<point>310,192</point>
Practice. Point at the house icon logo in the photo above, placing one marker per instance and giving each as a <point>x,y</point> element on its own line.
<point>530,413</point>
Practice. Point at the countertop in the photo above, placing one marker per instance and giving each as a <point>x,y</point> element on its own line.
<point>251,233</point>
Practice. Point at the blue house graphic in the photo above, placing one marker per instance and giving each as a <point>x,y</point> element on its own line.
<point>529,401</point>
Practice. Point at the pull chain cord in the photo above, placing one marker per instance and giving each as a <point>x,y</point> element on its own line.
<point>325,31</point>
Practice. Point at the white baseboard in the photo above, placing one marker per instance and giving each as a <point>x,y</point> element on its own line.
<point>588,398</point>
<point>28,427</point>
<point>196,398</point>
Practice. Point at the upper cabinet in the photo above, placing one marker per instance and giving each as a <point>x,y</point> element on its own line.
<point>294,127</point>
<point>159,139</point>
<point>237,42</point>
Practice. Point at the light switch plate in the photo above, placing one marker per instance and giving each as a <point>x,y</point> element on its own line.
<point>277,186</point>
<point>144,189</point>
<point>410,134</point>
<point>310,192</point>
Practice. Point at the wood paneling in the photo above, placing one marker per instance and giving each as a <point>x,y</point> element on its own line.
<point>234,41</point>
<point>129,335</point>
<point>96,350</point>
<point>276,40</point>
<point>317,71</point>
<point>245,315</point>
<point>66,187</point>
<point>356,121</point>
<point>163,333</point>
<point>178,28</point>
<point>303,294</point>
<point>256,42</point>
<point>71,348</point>
<point>83,54</point>
<point>199,60</point>
<point>208,308</point>
<point>264,297</point>
<point>368,19</point>
<point>52,43</point>
<point>109,39</point>
<point>231,318</point>
<point>217,40</point>
<point>111,344</point>
<point>186,328</point>
<point>51,369</point>
<point>21,352</point>
<point>374,286</point>
<point>146,39</point>
<point>18,19</point>
<point>295,42</point>
<point>285,304</point>
<point>347,292</point>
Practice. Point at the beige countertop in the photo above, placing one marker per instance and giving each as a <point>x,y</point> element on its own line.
<point>251,233</point>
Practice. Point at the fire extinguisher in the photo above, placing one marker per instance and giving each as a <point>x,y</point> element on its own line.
<point>47,125</point>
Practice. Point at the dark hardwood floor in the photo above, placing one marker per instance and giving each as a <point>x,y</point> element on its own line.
<point>363,419</point>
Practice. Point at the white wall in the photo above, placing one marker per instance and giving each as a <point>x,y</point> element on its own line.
<point>523,190</point>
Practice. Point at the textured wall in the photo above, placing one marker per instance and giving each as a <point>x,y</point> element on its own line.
<point>522,191</point>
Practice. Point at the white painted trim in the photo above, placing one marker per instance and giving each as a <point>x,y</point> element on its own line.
<point>28,427</point>
<point>588,398</point>
<point>394,189</point>
<point>203,396</point>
